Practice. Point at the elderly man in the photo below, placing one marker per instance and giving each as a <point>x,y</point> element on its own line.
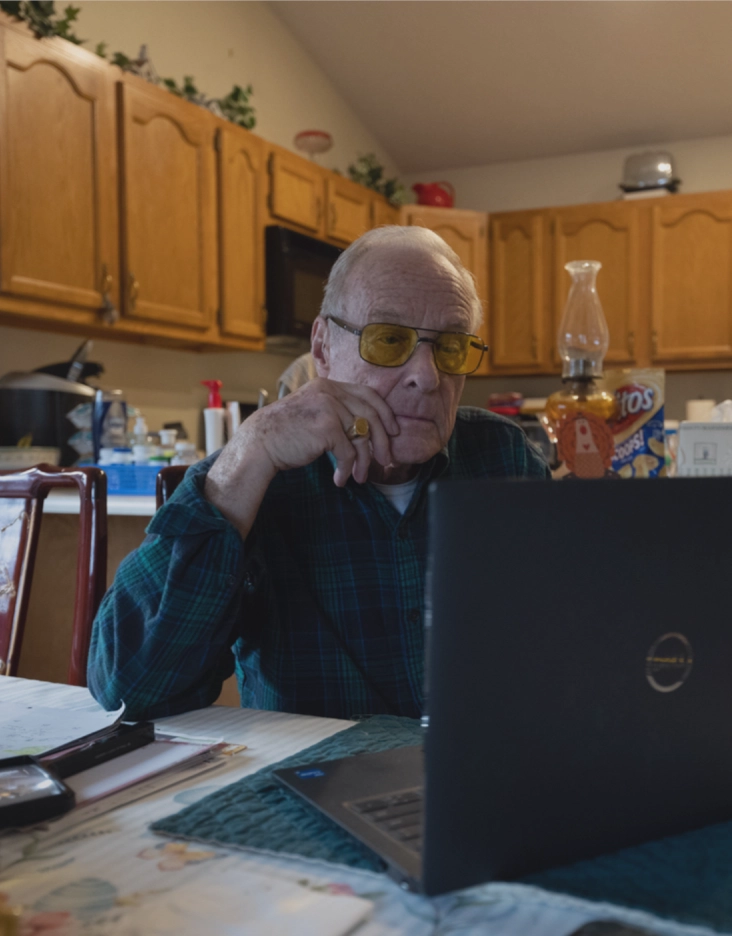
<point>302,546</point>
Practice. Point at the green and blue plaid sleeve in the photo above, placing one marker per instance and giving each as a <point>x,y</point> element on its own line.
<point>163,634</point>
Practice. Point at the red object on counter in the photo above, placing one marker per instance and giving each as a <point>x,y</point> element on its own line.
<point>505,410</point>
<point>214,393</point>
<point>438,194</point>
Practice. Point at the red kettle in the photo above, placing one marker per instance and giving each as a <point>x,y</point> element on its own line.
<point>439,194</point>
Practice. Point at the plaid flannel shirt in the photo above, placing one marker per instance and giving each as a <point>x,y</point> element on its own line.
<point>322,605</point>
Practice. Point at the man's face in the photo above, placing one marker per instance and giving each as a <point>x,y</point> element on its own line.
<point>407,286</point>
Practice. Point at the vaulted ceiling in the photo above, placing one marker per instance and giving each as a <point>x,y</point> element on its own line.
<point>450,83</point>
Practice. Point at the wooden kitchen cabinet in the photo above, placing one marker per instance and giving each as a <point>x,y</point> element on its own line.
<point>610,233</point>
<point>348,209</point>
<point>58,197</point>
<point>296,190</point>
<point>168,207</point>
<point>691,279</point>
<point>519,293</point>
<point>466,233</point>
<point>382,212</point>
<point>242,312</point>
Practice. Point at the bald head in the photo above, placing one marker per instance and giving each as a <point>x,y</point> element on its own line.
<point>390,248</point>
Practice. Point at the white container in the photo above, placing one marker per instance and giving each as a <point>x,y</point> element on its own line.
<point>214,421</point>
<point>700,410</point>
<point>705,449</point>
<point>185,454</point>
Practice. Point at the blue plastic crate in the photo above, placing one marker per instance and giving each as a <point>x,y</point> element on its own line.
<point>131,479</point>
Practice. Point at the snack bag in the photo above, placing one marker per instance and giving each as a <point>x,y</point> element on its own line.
<point>638,426</point>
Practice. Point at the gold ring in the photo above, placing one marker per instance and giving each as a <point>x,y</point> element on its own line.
<point>359,429</point>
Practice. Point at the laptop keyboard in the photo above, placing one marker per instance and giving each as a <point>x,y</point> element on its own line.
<point>398,815</point>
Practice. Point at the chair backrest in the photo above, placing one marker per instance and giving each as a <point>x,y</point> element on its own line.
<point>21,506</point>
<point>167,481</point>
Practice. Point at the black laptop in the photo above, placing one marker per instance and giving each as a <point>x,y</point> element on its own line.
<point>579,698</point>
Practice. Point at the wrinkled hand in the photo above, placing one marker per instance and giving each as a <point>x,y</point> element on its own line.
<point>296,430</point>
<point>299,428</point>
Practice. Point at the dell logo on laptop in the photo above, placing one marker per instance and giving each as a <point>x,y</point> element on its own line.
<point>669,662</point>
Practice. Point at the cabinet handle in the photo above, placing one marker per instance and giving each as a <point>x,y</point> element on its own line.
<point>133,291</point>
<point>631,344</point>
<point>318,210</point>
<point>110,313</point>
<point>333,216</point>
<point>654,343</point>
<point>535,347</point>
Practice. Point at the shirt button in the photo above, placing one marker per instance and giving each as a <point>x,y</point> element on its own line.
<point>402,532</point>
<point>248,582</point>
<point>413,616</point>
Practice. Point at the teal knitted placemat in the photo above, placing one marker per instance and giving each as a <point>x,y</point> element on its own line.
<point>687,878</point>
<point>257,812</point>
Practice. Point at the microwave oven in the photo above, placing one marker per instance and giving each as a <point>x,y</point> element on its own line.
<point>297,270</point>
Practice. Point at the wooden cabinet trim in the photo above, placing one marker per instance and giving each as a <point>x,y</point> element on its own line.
<point>88,80</point>
<point>134,107</point>
<point>242,312</point>
<point>532,227</point>
<point>665,218</point>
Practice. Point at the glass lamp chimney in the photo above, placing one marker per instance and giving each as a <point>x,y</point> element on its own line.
<point>583,337</point>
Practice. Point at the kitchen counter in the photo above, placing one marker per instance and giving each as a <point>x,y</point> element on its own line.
<point>118,505</point>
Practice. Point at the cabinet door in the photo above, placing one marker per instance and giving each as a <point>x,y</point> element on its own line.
<point>383,213</point>
<point>57,173</point>
<point>168,207</point>
<point>348,212</point>
<point>465,232</point>
<point>241,233</point>
<point>296,190</point>
<point>608,233</point>
<point>691,278</point>
<point>518,292</point>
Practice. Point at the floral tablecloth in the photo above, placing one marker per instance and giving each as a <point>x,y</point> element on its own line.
<point>108,875</point>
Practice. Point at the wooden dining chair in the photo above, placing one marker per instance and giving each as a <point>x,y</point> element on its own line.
<point>167,481</point>
<point>22,495</point>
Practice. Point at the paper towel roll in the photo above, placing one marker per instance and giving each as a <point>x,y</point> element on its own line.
<point>699,410</point>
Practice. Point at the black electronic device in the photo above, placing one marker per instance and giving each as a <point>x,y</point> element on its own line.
<point>30,793</point>
<point>125,737</point>
<point>578,648</point>
<point>298,267</point>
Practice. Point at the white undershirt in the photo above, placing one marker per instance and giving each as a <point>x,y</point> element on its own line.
<point>398,495</point>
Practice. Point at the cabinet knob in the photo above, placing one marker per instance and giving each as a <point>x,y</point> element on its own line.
<point>318,210</point>
<point>133,290</point>
<point>333,215</point>
<point>654,343</point>
<point>631,344</point>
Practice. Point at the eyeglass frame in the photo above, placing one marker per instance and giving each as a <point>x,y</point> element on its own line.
<point>420,340</point>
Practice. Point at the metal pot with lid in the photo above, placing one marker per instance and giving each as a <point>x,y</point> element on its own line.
<point>35,405</point>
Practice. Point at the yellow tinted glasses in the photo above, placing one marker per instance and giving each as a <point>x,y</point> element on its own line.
<point>389,345</point>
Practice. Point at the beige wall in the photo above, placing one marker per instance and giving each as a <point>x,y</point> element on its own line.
<point>227,43</point>
<point>702,165</point>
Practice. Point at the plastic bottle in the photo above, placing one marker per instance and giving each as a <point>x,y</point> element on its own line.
<point>109,421</point>
<point>214,417</point>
